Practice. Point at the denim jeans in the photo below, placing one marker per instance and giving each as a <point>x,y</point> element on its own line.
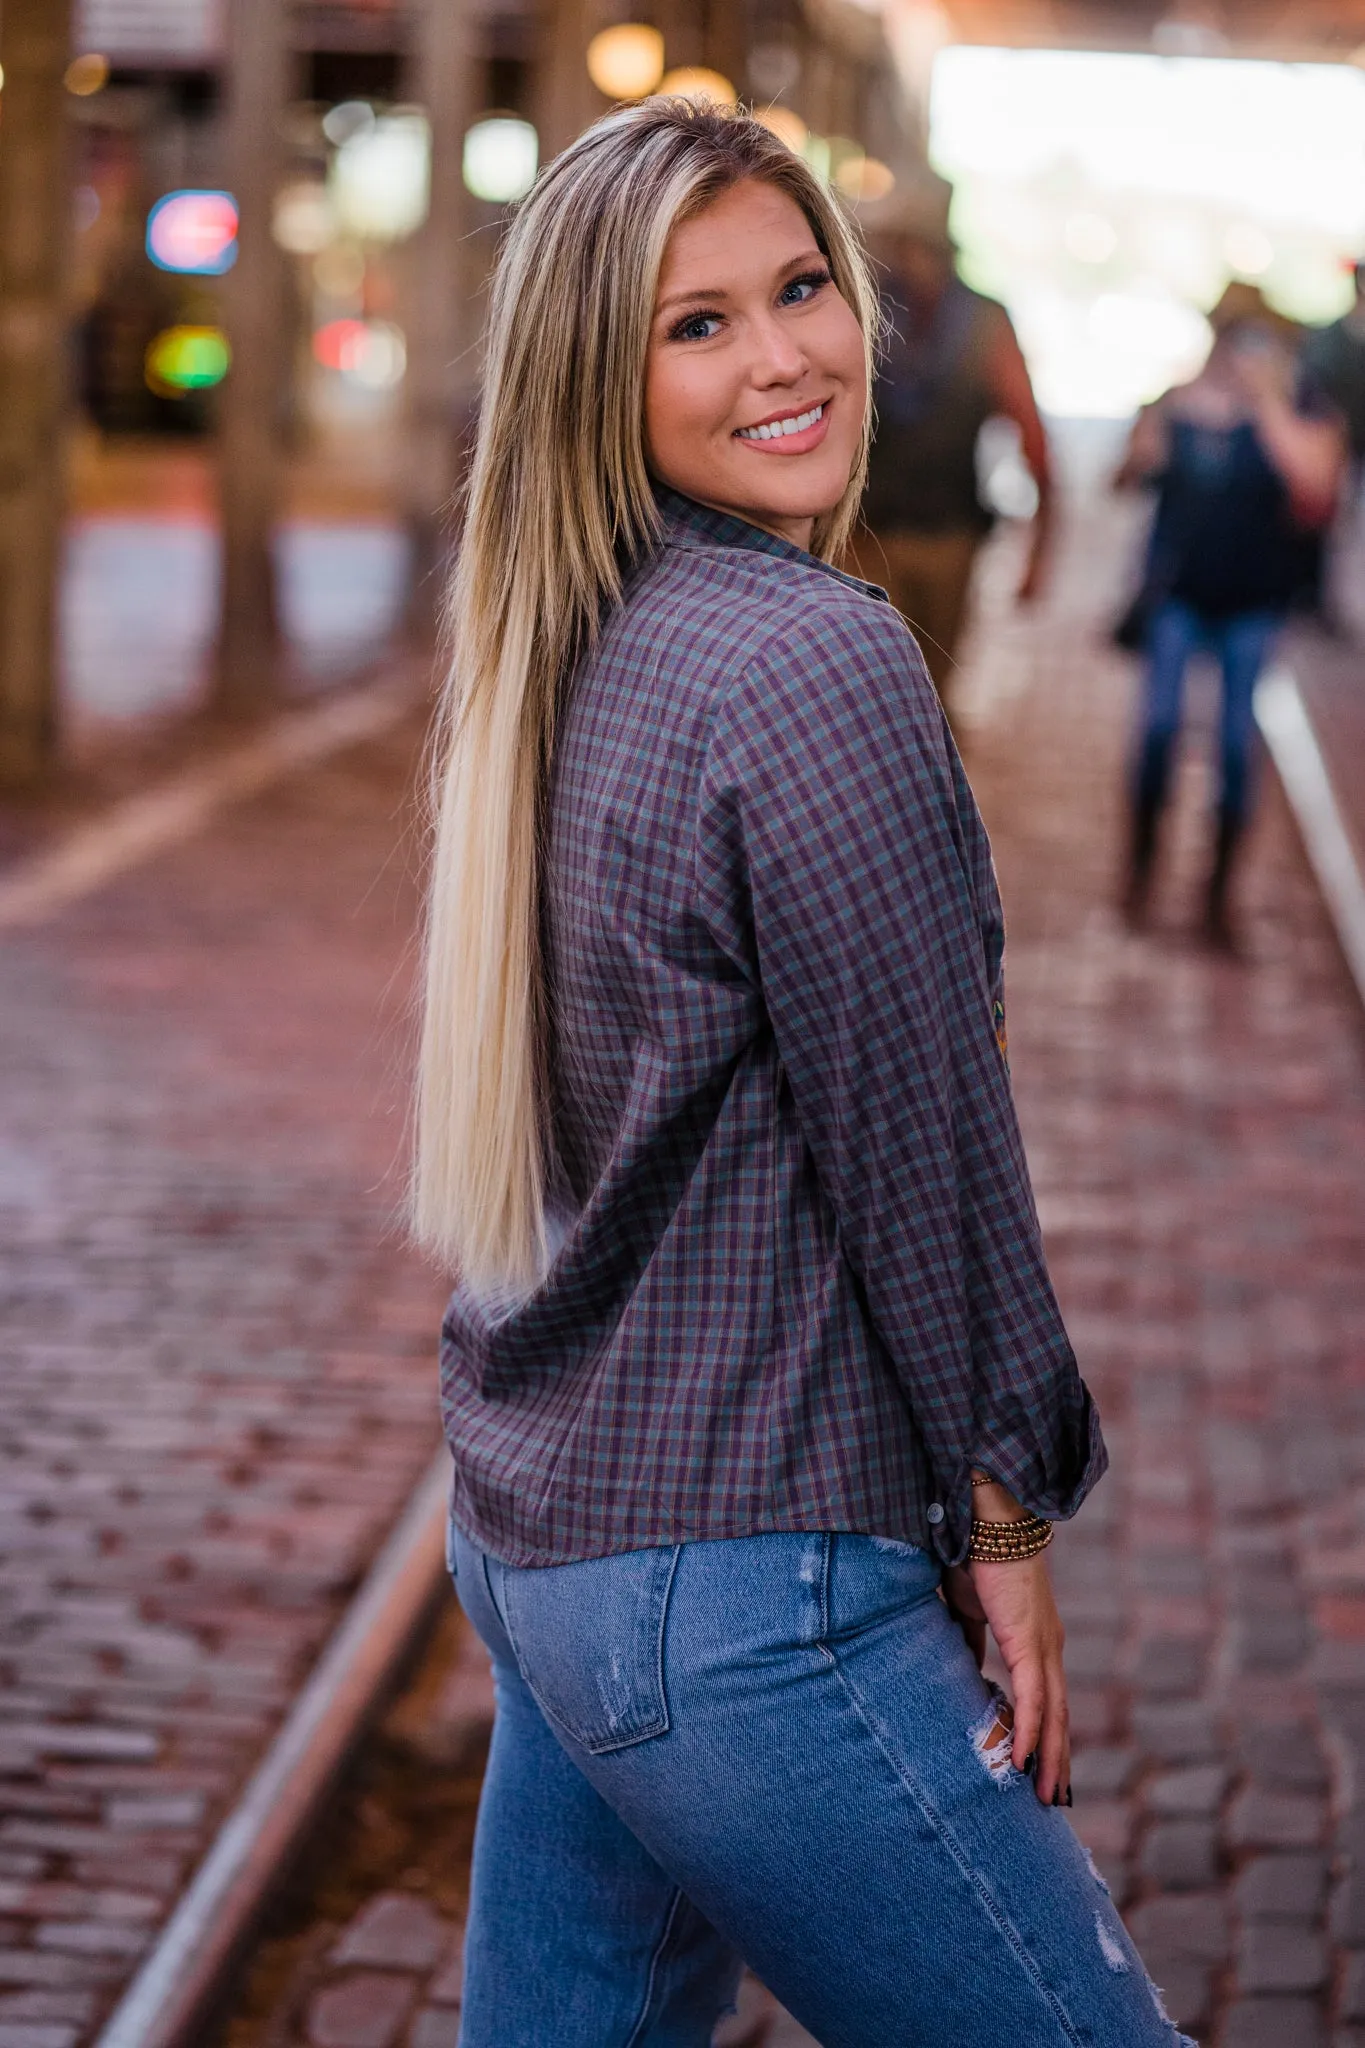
<point>1241,644</point>
<point>774,1748</point>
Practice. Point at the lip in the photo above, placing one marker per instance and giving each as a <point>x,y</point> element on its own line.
<point>790,444</point>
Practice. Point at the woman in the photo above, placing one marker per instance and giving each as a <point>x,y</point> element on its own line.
<point>715,1123</point>
<point>1246,469</point>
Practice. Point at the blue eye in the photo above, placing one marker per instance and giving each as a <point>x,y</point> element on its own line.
<point>696,327</point>
<point>801,290</point>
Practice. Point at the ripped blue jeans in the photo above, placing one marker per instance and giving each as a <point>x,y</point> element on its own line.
<point>775,1748</point>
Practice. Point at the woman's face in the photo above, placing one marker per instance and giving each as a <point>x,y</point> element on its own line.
<point>756,381</point>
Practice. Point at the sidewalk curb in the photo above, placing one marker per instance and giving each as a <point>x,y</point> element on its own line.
<point>173,811</point>
<point>1288,733</point>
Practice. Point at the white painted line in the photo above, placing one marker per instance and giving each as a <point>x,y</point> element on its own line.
<point>132,832</point>
<point>1284,721</point>
<point>166,2003</point>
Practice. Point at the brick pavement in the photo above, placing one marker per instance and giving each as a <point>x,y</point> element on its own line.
<point>218,1356</point>
<point>1196,1128</point>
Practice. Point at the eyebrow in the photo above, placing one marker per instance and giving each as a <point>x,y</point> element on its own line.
<point>689,298</point>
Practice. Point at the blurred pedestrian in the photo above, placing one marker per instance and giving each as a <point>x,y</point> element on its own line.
<point>1245,458</point>
<point>754,1349</point>
<point>1334,358</point>
<point>950,362</point>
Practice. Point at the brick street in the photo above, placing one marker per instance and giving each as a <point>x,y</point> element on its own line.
<point>218,1382</point>
<point>1196,1129</point>
<point>223,1379</point>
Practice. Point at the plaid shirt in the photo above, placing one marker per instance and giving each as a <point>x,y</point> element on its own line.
<point>801,1284</point>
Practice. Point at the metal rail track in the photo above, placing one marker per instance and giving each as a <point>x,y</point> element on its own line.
<point>1288,733</point>
<point>169,2000</point>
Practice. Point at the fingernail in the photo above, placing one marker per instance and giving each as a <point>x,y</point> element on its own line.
<point>1068,1801</point>
<point>1056,1799</point>
<point>1030,1763</point>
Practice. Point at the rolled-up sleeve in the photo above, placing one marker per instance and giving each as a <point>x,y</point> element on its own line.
<point>842,863</point>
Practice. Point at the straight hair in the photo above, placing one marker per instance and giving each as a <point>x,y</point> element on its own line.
<point>557,506</point>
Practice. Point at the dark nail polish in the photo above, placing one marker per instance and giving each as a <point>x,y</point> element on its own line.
<point>1056,1799</point>
<point>1030,1763</point>
<point>1068,1801</point>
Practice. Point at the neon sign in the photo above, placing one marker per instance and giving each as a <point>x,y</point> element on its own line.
<point>193,232</point>
<point>182,359</point>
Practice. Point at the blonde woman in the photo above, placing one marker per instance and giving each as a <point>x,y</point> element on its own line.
<point>754,1351</point>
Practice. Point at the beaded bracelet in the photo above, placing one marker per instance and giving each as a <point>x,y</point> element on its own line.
<point>1008,1542</point>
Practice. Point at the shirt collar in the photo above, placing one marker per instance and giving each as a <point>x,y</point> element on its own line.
<point>686,524</point>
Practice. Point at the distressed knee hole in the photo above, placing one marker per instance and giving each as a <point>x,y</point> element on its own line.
<point>992,1737</point>
<point>1112,1949</point>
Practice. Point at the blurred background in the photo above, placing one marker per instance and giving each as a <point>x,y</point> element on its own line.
<point>311,194</point>
<point>244,248</point>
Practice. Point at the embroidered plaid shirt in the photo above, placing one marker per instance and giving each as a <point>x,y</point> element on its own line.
<point>801,1284</point>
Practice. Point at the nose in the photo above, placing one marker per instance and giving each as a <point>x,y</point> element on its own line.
<point>779,357</point>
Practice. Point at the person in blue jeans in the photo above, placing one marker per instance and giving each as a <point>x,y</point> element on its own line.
<point>1245,466</point>
<point>760,1405</point>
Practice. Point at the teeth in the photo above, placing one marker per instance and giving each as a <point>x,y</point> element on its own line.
<point>777,428</point>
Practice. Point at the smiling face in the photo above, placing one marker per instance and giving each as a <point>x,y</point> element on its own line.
<point>756,381</point>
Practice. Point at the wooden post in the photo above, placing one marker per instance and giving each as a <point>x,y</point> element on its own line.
<point>566,98</point>
<point>442,328</point>
<point>35,211</point>
<point>258,332</point>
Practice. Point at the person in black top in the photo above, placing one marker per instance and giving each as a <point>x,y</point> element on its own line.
<point>1246,458</point>
<point>1335,359</point>
<point>950,362</point>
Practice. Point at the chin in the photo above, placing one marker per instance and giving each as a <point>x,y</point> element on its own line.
<point>798,506</point>
<point>803,498</point>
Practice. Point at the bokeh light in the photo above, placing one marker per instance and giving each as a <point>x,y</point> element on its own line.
<point>696,82</point>
<point>786,125</point>
<point>304,222</point>
<point>184,359</point>
<point>193,232</point>
<point>380,178</point>
<point>371,353</point>
<point>346,120</point>
<point>864,177</point>
<point>815,149</point>
<point>627,61</point>
<point>501,156</point>
<point>86,74</point>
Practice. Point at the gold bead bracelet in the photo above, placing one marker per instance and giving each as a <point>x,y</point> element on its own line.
<point>1008,1542</point>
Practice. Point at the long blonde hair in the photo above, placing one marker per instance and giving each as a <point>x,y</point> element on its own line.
<point>558,503</point>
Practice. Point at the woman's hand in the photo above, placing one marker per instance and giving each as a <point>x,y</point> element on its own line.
<point>1017,1605</point>
<point>1015,1601</point>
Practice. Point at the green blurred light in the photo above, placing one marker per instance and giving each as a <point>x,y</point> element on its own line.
<point>182,359</point>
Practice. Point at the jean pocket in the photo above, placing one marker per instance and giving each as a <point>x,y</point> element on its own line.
<point>589,1639</point>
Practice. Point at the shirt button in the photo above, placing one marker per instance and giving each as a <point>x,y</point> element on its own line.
<point>935,1512</point>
